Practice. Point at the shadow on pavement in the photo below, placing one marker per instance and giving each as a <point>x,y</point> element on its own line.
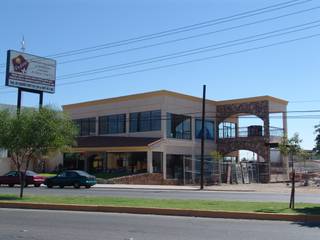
<point>308,224</point>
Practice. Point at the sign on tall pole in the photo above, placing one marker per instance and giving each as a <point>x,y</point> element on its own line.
<point>30,73</point>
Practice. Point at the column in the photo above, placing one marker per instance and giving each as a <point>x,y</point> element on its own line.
<point>284,124</point>
<point>149,161</point>
<point>164,168</point>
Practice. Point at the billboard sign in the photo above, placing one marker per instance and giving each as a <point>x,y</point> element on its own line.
<point>30,72</point>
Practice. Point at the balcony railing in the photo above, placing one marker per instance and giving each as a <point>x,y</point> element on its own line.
<point>250,131</point>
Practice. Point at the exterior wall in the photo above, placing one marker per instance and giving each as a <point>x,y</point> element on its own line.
<point>169,102</point>
<point>4,165</point>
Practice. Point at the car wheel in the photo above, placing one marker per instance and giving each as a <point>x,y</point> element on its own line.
<point>49,186</point>
<point>88,186</point>
<point>11,185</point>
<point>61,186</point>
<point>37,185</point>
<point>76,185</point>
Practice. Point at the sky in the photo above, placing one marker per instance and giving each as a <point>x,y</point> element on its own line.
<point>233,49</point>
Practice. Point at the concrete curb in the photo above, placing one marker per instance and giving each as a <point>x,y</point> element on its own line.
<point>178,189</point>
<point>166,211</point>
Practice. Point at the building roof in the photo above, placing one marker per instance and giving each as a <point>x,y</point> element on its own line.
<point>169,93</point>
<point>111,141</point>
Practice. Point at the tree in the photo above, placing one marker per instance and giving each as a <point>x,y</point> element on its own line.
<point>317,131</point>
<point>34,133</point>
<point>291,147</point>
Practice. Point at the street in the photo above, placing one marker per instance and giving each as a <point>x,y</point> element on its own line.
<point>52,225</point>
<point>168,194</point>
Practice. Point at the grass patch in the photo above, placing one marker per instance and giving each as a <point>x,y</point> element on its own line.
<point>260,207</point>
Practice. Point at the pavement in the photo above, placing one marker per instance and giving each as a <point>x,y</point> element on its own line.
<point>17,224</point>
<point>253,193</point>
<point>253,187</point>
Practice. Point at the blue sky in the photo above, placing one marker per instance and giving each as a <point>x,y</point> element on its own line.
<point>288,71</point>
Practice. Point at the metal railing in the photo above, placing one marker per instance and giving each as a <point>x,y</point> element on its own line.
<point>250,131</point>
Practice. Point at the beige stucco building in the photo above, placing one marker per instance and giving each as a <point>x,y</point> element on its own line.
<point>160,132</point>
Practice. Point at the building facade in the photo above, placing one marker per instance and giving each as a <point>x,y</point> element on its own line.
<point>160,132</point>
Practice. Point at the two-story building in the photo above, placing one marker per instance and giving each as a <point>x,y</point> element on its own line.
<point>160,132</point>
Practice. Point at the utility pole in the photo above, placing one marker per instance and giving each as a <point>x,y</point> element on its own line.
<point>202,137</point>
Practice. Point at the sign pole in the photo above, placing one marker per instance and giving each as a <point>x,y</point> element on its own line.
<point>40,100</point>
<point>19,101</point>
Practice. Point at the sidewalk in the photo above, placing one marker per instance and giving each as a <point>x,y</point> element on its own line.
<point>253,187</point>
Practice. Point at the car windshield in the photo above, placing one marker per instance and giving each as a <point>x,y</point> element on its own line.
<point>31,173</point>
<point>11,173</point>
<point>82,173</point>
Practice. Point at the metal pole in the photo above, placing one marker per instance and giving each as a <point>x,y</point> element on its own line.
<point>40,100</point>
<point>19,101</point>
<point>202,137</point>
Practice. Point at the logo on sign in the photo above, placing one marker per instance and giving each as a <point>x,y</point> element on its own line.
<point>20,64</point>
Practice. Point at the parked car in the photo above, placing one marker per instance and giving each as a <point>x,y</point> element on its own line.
<point>12,178</point>
<point>73,178</point>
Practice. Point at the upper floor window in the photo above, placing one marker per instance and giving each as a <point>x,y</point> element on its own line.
<point>208,126</point>
<point>178,126</point>
<point>227,130</point>
<point>112,124</point>
<point>145,121</point>
<point>87,126</point>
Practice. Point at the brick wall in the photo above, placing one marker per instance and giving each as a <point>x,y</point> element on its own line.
<point>144,179</point>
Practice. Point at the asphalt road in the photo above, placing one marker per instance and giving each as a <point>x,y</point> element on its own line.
<point>168,194</point>
<point>52,225</point>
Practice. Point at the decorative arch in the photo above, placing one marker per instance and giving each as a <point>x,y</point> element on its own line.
<point>258,108</point>
<point>254,146</point>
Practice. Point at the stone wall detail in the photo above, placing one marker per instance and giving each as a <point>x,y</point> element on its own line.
<point>257,144</point>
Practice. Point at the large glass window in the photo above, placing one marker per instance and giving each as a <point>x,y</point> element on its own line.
<point>227,130</point>
<point>87,126</point>
<point>209,129</point>
<point>112,124</point>
<point>178,126</point>
<point>135,162</point>
<point>145,121</point>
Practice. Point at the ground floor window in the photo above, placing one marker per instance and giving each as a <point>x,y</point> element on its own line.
<point>132,162</point>
<point>157,162</point>
<point>73,161</point>
<point>176,166</point>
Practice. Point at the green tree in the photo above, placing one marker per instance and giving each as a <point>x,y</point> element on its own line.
<point>34,133</point>
<point>317,131</point>
<point>290,147</point>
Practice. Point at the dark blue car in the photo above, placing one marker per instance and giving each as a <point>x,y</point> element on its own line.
<point>73,178</point>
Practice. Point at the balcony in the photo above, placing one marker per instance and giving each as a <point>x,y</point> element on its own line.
<point>275,133</point>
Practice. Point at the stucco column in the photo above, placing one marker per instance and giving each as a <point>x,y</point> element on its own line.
<point>164,166</point>
<point>149,161</point>
<point>285,159</point>
<point>97,126</point>
<point>284,124</point>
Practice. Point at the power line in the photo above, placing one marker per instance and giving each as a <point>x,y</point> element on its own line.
<point>192,51</point>
<point>208,23</point>
<point>192,61</point>
<point>190,27</point>
<point>180,39</point>
<point>187,38</point>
